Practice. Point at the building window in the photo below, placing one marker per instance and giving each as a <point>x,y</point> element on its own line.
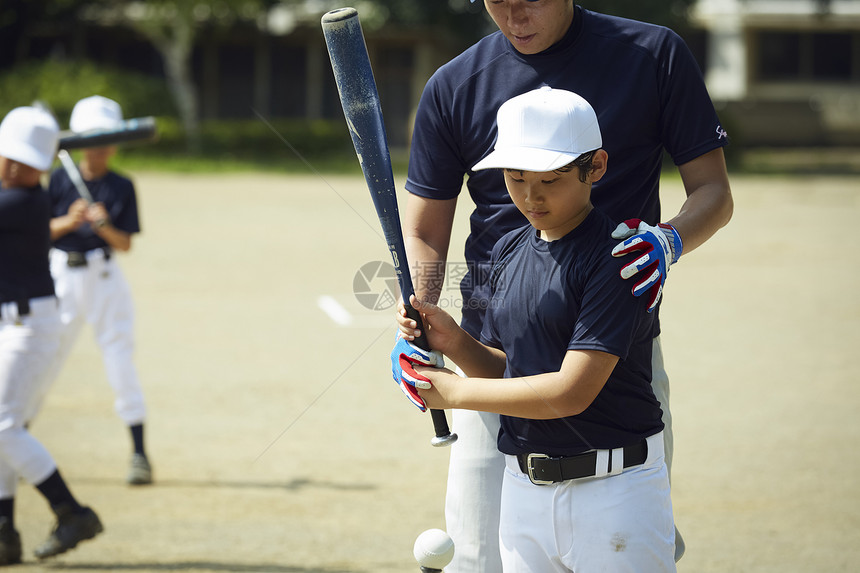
<point>806,56</point>
<point>779,55</point>
<point>831,55</point>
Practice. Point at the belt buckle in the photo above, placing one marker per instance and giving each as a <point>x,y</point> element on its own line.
<point>76,259</point>
<point>531,469</point>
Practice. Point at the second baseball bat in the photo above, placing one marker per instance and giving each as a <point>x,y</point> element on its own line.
<point>136,129</point>
<point>363,112</point>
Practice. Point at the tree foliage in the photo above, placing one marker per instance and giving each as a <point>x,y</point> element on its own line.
<point>173,26</point>
<point>458,20</point>
<point>671,13</point>
<point>61,84</point>
<point>465,19</point>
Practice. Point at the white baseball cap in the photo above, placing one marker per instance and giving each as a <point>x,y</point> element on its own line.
<point>542,130</point>
<point>95,112</point>
<point>29,135</point>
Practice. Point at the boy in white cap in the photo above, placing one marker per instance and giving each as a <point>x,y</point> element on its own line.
<point>90,284</point>
<point>564,357</point>
<point>29,334</point>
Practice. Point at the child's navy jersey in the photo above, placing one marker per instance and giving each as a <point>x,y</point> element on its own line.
<point>113,190</point>
<point>551,297</point>
<point>25,240</point>
<point>642,82</point>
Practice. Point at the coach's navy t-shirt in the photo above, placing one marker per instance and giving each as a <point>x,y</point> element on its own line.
<point>25,240</point>
<point>642,81</point>
<point>551,297</point>
<point>113,190</point>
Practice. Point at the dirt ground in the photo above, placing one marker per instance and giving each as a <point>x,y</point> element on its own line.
<point>281,445</point>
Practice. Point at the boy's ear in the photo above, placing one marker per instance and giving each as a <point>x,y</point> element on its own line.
<point>598,165</point>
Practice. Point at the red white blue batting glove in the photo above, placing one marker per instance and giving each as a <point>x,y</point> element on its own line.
<point>659,248</point>
<point>404,357</point>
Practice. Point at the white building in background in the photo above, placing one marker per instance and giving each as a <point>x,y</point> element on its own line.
<point>784,72</point>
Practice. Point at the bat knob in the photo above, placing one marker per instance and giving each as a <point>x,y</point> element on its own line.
<point>339,15</point>
<point>443,441</point>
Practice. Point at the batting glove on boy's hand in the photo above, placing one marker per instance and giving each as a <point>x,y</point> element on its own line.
<point>660,246</point>
<point>404,357</point>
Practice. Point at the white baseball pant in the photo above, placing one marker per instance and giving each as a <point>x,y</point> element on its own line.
<point>99,294</point>
<point>28,345</point>
<point>621,522</point>
<point>475,470</point>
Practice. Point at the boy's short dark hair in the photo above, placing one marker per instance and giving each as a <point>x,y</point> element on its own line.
<point>584,162</point>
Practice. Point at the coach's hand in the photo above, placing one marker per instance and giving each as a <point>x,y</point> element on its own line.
<point>660,247</point>
<point>404,357</point>
<point>440,329</point>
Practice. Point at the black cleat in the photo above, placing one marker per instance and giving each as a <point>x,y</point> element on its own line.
<point>72,528</point>
<point>10,544</point>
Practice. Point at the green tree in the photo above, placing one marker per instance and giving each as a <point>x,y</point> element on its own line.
<point>467,20</point>
<point>460,23</point>
<point>171,26</point>
<point>671,13</point>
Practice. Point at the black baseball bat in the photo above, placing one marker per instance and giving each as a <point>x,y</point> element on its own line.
<point>136,129</point>
<point>363,112</point>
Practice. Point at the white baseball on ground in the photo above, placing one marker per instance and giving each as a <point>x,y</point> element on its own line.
<point>433,549</point>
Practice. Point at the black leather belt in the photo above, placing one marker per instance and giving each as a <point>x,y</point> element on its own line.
<point>543,469</point>
<point>79,258</point>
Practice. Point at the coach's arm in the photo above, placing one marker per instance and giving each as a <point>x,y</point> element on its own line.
<point>427,225</point>
<point>709,203</point>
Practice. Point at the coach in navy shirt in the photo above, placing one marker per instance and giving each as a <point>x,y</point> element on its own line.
<point>650,98</point>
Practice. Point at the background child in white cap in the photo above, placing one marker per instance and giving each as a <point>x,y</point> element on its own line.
<point>29,334</point>
<point>564,357</point>
<point>89,282</point>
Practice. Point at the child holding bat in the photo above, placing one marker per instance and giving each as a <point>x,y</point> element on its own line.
<point>89,282</point>
<point>564,357</point>
<point>29,334</point>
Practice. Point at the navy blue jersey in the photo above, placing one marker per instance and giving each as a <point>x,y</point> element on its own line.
<point>25,240</point>
<point>113,190</point>
<point>641,80</point>
<point>551,297</point>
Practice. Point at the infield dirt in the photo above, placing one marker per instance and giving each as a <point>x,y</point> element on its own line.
<point>281,445</point>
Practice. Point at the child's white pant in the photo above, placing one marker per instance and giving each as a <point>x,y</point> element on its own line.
<point>99,294</point>
<point>475,479</point>
<point>28,345</point>
<point>620,523</point>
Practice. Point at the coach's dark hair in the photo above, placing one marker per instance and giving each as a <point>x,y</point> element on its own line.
<point>584,162</point>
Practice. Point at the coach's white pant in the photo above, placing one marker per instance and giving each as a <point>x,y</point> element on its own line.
<point>475,473</point>
<point>620,523</point>
<point>28,345</point>
<point>99,294</point>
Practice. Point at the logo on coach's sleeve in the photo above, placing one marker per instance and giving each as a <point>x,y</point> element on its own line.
<point>721,133</point>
